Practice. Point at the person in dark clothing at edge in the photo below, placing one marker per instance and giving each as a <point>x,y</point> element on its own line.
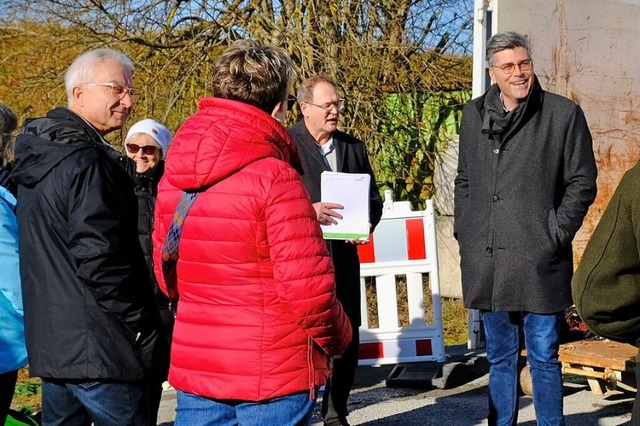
<point>526,178</point>
<point>606,284</point>
<point>146,144</point>
<point>92,331</point>
<point>323,147</point>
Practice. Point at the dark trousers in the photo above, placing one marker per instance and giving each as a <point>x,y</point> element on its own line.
<point>154,392</point>
<point>7,387</point>
<point>635,414</point>
<point>154,389</point>
<point>338,387</point>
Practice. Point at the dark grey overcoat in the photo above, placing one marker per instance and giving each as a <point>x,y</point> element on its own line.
<point>519,203</point>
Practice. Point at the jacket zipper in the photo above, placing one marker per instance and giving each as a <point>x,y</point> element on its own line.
<point>312,374</point>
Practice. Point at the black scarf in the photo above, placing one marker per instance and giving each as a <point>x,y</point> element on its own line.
<point>496,120</point>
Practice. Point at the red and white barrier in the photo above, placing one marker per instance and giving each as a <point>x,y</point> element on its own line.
<point>403,244</point>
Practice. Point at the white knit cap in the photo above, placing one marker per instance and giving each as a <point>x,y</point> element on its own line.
<point>157,131</point>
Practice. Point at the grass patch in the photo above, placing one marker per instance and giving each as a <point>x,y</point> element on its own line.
<point>28,392</point>
<point>454,322</point>
<point>454,315</point>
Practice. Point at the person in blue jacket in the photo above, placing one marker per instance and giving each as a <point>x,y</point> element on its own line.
<point>13,352</point>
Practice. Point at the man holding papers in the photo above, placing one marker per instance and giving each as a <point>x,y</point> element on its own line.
<point>324,148</point>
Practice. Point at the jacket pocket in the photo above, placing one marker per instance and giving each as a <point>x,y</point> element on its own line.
<point>88,385</point>
<point>553,229</point>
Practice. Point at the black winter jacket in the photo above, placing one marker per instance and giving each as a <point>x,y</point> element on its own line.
<point>146,188</point>
<point>88,302</point>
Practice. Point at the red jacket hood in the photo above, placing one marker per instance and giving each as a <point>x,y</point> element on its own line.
<point>222,138</point>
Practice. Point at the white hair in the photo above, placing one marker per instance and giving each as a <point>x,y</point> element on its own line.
<point>82,68</point>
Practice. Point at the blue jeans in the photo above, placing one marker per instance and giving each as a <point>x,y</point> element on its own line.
<point>290,410</point>
<point>75,403</point>
<point>541,335</point>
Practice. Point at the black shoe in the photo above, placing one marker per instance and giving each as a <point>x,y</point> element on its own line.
<point>341,421</point>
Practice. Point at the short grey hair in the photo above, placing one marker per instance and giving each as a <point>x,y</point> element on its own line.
<point>82,68</point>
<point>503,41</point>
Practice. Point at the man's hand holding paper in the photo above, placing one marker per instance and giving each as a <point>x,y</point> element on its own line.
<point>326,212</point>
<point>358,242</point>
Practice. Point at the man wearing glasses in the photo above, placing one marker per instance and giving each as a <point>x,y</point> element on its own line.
<point>92,329</point>
<point>526,178</point>
<point>323,147</point>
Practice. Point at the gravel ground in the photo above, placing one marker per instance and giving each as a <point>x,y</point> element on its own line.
<point>372,403</point>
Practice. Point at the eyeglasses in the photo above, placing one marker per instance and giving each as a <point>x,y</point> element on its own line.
<point>329,106</point>
<point>146,150</point>
<point>509,68</point>
<point>116,89</point>
<point>291,102</point>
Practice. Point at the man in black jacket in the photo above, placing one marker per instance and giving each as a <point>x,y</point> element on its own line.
<point>323,147</point>
<point>91,327</point>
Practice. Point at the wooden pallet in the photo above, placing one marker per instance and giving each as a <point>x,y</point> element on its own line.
<point>605,364</point>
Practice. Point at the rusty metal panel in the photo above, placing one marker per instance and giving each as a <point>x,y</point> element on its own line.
<point>588,51</point>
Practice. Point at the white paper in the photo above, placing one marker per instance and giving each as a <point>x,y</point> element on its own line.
<point>351,190</point>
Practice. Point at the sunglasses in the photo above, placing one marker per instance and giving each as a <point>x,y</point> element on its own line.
<point>291,102</point>
<point>146,150</point>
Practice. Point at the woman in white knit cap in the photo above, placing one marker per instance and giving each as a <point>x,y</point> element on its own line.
<point>146,144</point>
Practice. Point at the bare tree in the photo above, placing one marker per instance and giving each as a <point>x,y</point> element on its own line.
<point>373,49</point>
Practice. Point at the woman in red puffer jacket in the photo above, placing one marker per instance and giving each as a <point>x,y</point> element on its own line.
<point>257,319</point>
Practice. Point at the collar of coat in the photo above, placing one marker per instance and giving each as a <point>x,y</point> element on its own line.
<point>533,101</point>
<point>532,104</point>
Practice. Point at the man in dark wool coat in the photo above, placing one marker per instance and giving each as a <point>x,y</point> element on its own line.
<point>526,178</point>
<point>323,147</point>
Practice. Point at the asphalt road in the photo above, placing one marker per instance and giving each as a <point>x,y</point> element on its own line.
<point>372,403</point>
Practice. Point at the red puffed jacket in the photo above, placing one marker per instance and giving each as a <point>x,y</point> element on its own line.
<point>257,316</point>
